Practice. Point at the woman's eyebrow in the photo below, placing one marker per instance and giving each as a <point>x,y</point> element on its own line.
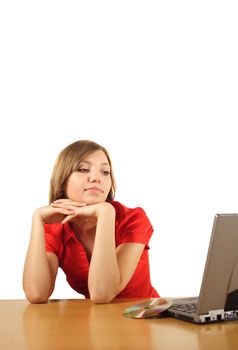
<point>88,162</point>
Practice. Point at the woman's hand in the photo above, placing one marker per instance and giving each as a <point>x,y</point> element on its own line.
<point>76,209</point>
<point>50,214</point>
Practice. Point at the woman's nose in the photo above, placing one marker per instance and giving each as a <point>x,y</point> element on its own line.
<point>95,176</point>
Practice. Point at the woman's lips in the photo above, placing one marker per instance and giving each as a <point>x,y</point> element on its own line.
<point>94,189</point>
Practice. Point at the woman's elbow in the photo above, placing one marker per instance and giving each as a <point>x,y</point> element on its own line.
<point>35,297</point>
<point>37,300</point>
<point>101,297</point>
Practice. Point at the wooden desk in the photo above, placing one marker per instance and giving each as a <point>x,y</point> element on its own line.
<point>79,324</point>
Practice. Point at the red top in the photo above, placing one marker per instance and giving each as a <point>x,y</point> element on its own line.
<point>132,225</point>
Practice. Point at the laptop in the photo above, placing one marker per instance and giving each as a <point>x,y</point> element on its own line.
<point>218,298</point>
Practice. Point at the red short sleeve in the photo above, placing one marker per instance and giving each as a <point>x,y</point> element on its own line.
<point>133,226</point>
<point>53,238</point>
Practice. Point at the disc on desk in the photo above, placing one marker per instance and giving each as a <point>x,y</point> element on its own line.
<point>151,308</point>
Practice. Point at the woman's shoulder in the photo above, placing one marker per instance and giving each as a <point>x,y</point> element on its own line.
<point>124,212</point>
<point>132,224</point>
<point>123,208</point>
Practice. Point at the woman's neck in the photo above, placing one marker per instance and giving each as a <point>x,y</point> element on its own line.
<point>84,227</point>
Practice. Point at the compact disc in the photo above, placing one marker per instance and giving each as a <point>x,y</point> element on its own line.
<point>150,308</point>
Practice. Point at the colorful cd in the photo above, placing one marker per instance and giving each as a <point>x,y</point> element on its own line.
<point>151,308</point>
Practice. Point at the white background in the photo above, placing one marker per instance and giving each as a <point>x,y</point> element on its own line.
<point>156,83</point>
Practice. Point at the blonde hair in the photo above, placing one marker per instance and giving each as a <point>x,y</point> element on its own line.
<point>68,161</point>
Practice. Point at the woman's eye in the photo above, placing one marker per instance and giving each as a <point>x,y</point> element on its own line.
<point>83,170</point>
<point>106,173</point>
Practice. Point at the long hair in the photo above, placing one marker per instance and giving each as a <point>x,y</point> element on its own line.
<point>68,161</point>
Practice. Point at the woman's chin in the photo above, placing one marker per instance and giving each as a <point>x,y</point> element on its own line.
<point>93,201</point>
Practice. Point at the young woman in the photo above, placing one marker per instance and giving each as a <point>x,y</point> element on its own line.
<point>100,244</point>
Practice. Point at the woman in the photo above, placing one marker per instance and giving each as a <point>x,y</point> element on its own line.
<point>101,245</point>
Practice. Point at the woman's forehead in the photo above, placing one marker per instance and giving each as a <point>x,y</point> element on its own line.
<point>97,157</point>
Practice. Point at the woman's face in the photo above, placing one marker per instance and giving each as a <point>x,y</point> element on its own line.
<point>91,182</point>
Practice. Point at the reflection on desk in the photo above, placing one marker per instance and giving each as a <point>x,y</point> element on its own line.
<point>79,324</point>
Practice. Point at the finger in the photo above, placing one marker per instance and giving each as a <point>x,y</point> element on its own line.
<point>63,200</point>
<point>65,211</point>
<point>68,218</point>
<point>68,207</point>
<point>68,203</point>
<point>63,206</point>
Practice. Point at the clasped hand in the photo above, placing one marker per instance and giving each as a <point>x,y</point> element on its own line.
<point>64,210</point>
<point>72,209</point>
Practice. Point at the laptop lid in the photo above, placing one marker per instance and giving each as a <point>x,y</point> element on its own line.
<point>218,298</point>
<point>219,288</point>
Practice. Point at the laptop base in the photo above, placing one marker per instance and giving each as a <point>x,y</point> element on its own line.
<point>185,309</point>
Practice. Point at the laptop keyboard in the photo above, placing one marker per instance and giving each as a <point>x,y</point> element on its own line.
<point>185,305</point>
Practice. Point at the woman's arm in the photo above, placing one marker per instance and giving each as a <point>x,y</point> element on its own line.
<point>110,268</point>
<point>104,274</point>
<point>40,267</point>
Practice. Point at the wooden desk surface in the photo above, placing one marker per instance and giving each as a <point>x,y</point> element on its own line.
<point>79,324</point>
